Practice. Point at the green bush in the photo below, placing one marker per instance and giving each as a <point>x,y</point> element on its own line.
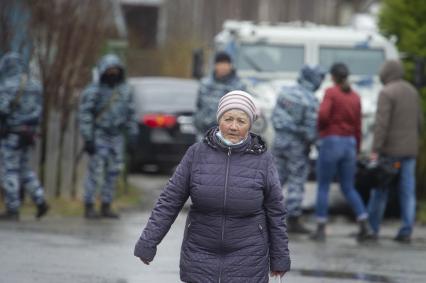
<point>407,22</point>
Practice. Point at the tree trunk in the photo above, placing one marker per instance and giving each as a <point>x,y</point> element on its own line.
<point>58,182</point>
<point>76,153</point>
<point>44,139</point>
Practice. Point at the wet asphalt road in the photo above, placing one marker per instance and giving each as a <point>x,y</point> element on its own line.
<point>75,250</point>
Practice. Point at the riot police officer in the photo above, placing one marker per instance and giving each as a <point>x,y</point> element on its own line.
<point>223,80</point>
<point>20,111</point>
<point>106,116</point>
<point>295,121</point>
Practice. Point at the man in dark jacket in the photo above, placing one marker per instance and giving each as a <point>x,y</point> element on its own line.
<point>224,79</point>
<point>398,123</point>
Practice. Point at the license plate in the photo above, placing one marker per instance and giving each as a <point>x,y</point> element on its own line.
<point>160,136</point>
<point>187,129</point>
<point>185,124</point>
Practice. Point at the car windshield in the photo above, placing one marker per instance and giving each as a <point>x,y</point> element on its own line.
<point>263,57</point>
<point>165,97</point>
<point>359,61</point>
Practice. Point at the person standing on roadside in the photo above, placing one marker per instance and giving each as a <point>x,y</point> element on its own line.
<point>295,121</point>
<point>106,116</point>
<point>20,115</point>
<point>339,125</point>
<point>399,120</point>
<point>212,88</point>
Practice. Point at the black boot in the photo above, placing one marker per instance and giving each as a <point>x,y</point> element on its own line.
<point>107,212</point>
<point>404,239</point>
<point>9,215</point>
<point>42,209</point>
<point>294,225</point>
<point>364,233</point>
<point>319,234</point>
<point>90,212</point>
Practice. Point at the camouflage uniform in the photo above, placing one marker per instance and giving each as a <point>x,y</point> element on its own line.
<point>20,110</point>
<point>106,114</point>
<point>295,120</point>
<point>210,92</point>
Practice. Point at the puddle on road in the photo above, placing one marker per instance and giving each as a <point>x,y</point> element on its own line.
<point>363,277</point>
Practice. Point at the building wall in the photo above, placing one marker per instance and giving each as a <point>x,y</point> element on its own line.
<point>200,20</point>
<point>184,25</point>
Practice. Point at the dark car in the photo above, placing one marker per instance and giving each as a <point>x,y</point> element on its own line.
<point>165,107</point>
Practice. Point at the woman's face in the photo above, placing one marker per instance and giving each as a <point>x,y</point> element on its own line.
<point>234,125</point>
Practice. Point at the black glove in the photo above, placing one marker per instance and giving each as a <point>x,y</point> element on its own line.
<point>3,131</point>
<point>3,126</point>
<point>132,144</point>
<point>26,138</point>
<point>307,150</point>
<point>89,147</point>
<point>32,122</point>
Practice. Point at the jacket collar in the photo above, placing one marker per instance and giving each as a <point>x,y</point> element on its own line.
<point>253,144</point>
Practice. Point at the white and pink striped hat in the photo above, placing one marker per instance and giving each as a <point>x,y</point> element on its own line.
<point>237,99</point>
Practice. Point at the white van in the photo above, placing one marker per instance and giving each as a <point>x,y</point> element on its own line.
<point>270,56</point>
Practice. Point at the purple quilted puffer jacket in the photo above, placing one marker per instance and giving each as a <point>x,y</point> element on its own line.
<point>235,231</point>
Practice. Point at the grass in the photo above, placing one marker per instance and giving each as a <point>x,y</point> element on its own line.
<point>125,200</point>
<point>421,214</point>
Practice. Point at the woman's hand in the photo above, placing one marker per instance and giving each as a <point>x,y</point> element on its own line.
<point>277,273</point>
<point>144,261</point>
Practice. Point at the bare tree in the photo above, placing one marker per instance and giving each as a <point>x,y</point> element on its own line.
<point>6,29</point>
<point>67,36</point>
<point>13,21</point>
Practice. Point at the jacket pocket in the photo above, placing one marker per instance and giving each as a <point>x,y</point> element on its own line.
<point>260,227</point>
<point>186,231</point>
<point>263,236</point>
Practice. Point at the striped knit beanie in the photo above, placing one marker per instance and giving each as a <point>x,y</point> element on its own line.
<point>237,99</point>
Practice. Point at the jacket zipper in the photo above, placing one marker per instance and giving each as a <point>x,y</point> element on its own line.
<point>224,205</point>
<point>225,192</point>
<point>261,232</point>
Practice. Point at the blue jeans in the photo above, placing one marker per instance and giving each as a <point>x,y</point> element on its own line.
<point>407,199</point>
<point>337,154</point>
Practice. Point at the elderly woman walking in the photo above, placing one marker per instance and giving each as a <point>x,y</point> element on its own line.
<point>235,230</point>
